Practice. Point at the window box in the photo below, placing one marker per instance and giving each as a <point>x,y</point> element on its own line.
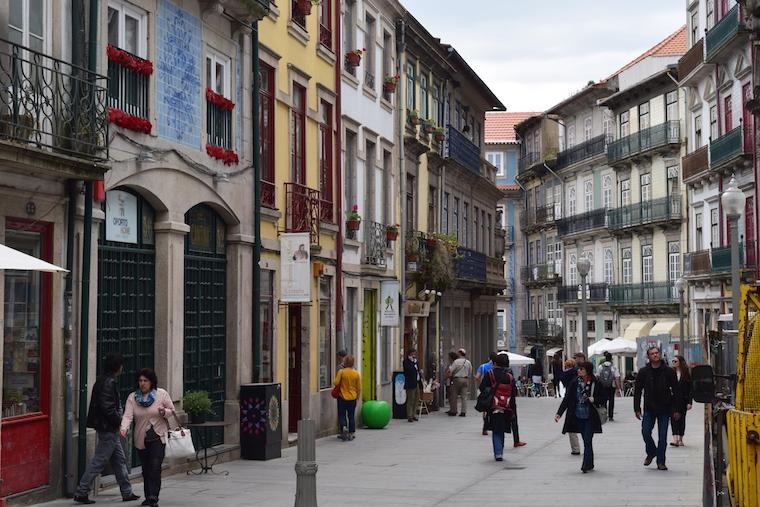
<point>354,58</point>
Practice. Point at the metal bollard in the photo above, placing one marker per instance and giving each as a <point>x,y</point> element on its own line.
<point>306,466</point>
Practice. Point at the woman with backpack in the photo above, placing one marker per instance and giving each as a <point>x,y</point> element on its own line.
<point>498,386</point>
<point>583,395</point>
<point>684,402</point>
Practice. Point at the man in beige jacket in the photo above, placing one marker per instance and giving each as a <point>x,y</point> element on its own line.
<point>460,372</point>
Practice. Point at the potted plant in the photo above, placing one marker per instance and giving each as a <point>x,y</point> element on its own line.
<point>439,134</point>
<point>197,404</point>
<point>391,232</point>
<point>354,219</point>
<point>412,251</point>
<point>304,6</point>
<point>431,241</point>
<point>354,57</point>
<point>414,117</point>
<point>390,82</point>
<point>428,126</point>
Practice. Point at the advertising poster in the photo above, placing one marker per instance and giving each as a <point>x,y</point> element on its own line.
<point>389,310</point>
<point>121,217</point>
<point>295,271</point>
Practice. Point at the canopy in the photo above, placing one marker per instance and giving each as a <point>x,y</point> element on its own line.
<point>13,259</point>
<point>553,351</point>
<point>597,348</point>
<point>618,347</point>
<point>518,360</point>
<point>670,327</point>
<point>638,328</point>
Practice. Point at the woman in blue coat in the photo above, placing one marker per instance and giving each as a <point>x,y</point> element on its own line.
<point>581,398</point>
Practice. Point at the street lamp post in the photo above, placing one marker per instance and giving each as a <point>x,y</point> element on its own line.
<point>584,265</point>
<point>733,200</point>
<point>680,287</point>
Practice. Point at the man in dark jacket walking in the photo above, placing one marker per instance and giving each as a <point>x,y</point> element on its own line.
<point>104,416</point>
<point>412,379</point>
<point>661,390</point>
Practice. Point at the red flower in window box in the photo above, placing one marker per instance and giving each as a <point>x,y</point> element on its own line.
<point>229,157</point>
<point>390,83</point>
<point>129,121</point>
<point>354,58</point>
<point>128,61</point>
<point>219,100</point>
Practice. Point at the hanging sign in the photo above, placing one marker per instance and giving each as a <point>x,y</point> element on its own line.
<point>389,312</point>
<point>295,268</point>
<point>416,308</point>
<point>121,216</point>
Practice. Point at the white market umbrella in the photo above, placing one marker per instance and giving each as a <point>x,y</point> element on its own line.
<point>622,347</point>
<point>518,360</point>
<point>13,259</point>
<point>598,348</point>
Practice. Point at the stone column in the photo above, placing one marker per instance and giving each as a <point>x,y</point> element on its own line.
<point>170,305</point>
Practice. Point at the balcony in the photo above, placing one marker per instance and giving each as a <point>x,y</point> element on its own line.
<point>302,210</point>
<point>695,165</point>
<point>416,250</point>
<point>664,135</point>
<point>721,37</point>
<point>541,328</point>
<point>540,274</point>
<point>697,263</point>
<point>693,59</point>
<point>128,89</point>
<point>375,243</point>
<point>572,294</point>
<point>730,149</point>
<point>643,295</point>
<point>721,257</point>
<point>528,160</point>
<point>462,150</point>
<point>537,218</point>
<point>662,211</point>
<point>578,224</point>
<point>471,265</point>
<point>46,103</point>
<point>583,151</point>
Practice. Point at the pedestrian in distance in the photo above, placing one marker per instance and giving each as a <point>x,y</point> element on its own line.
<point>453,356</point>
<point>683,404</point>
<point>482,370</point>
<point>537,376</point>
<point>581,398</point>
<point>662,394</point>
<point>412,381</point>
<point>149,407</point>
<point>557,370</point>
<point>460,372</point>
<point>105,416</point>
<point>350,383</point>
<point>569,374</point>
<point>514,426</point>
<point>341,358</point>
<point>501,384</point>
<point>609,377</point>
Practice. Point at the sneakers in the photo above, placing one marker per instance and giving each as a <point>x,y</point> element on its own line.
<point>575,453</point>
<point>343,434</point>
<point>520,444</point>
<point>462,415</point>
<point>452,414</point>
<point>499,458</point>
<point>648,461</point>
<point>83,499</point>
<point>485,432</point>
<point>661,466</point>
<point>130,498</point>
<point>351,436</point>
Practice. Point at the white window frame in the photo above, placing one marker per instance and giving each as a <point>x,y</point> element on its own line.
<point>646,187</point>
<point>572,269</point>
<point>141,16</point>
<point>674,260</point>
<point>608,266</point>
<point>571,198</point>
<point>496,158</point>
<point>587,128</point>
<point>625,192</point>
<point>570,136</point>
<point>607,191</point>
<point>217,58</point>
<point>647,264</point>
<point>627,265</point>
<point>25,33</point>
<point>588,195</point>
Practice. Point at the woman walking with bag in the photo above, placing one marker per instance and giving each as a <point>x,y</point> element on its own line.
<point>683,404</point>
<point>149,407</point>
<point>349,382</point>
<point>500,403</point>
<point>582,417</point>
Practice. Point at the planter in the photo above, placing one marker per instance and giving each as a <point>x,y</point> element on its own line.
<point>428,128</point>
<point>389,87</point>
<point>431,242</point>
<point>391,235</point>
<point>304,7</point>
<point>353,225</point>
<point>412,258</point>
<point>353,59</point>
<point>440,137</point>
<point>197,418</point>
<point>414,119</point>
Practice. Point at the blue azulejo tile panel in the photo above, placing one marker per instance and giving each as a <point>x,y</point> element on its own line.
<point>179,70</point>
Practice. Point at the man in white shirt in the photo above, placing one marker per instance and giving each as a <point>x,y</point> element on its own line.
<point>460,371</point>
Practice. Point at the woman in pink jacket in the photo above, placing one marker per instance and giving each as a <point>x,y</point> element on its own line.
<point>149,407</point>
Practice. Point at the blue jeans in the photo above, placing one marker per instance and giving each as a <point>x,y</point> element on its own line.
<point>587,433</point>
<point>498,443</point>
<point>647,425</point>
<point>346,414</point>
<point>107,450</point>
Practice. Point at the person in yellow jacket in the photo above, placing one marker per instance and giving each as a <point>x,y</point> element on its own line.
<point>350,382</point>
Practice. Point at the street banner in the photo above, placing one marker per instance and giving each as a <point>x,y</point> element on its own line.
<point>389,314</point>
<point>295,268</point>
<point>121,216</point>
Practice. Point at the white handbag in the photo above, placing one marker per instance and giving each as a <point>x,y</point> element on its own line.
<point>179,443</point>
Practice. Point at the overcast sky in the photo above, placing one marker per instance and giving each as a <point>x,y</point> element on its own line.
<point>534,54</point>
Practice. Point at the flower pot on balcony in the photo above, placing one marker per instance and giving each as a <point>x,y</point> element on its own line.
<point>431,242</point>
<point>304,7</point>
<point>391,235</point>
<point>439,135</point>
<point>389,87</point>
<point>414,118</point>
<point>428,127</point>
<point>353,58</point>
<point>353,225</point>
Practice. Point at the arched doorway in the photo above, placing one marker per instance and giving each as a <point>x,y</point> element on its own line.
<point>126,287</point>
<point>205,310</point>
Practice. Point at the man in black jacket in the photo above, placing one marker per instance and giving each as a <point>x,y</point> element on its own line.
<point>412,379</point>
<point>660,386</point>
<point>104,416</point>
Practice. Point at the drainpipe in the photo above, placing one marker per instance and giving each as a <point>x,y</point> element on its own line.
<point>256,200</point>
<point>400,70</point>
<point>339,333</point>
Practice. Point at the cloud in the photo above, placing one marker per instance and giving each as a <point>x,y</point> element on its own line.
<point>535,54</point>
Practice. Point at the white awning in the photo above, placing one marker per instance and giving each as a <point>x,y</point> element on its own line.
<point>13,259</point>
<point>598,348</point>
<point>552,351</point>
<point>670,327</point>
<point>638,328</point>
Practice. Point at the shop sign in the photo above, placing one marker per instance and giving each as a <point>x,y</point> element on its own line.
<point>389,310</point>
<point>121,216</point>
<point>295,268</point>
<point>416,308</point>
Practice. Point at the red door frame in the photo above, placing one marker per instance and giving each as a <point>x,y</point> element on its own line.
<point>26,465</point>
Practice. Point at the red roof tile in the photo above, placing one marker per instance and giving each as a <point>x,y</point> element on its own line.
<point>500,126</point>
<point>673,45</point>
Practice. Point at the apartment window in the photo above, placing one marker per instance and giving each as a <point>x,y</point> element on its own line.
<point>495,158</point>
<point>698,131</point>
<point>587,128</point>
<point>714,122</point>
<point>710,14</point>
<point>588,195</point>
<point>625,192</point>
<point>714,231</point>
<point>218,119</point>
<point>627,266</point>
<point>411,87</point>
<point>478,235</point>
<point>325,334</point>
<point>728,114</point>
<point>608,266</point>
<point>572,262</point>
<point>26,25</point>
<point>485,232</point>
<point>607,326</point>
<point>646,264</point>
<point>571,135</point>
<point>456,217</point>
<point>437,110</point>
<point>466,225</point>
<point>571,201</point>
<point>445,214</point>
<point>410,202</point>
<point>387,55</point>
<point>424,111</point>
<point>388,198</point>
<point>349,322</point>
<point>266,133</point>
<point>608,125</point>
<point>607,191</point>
<point>590,257</point>
<point>698,231</point>
<point>348,31</point>
<point>643,116</point>
<point>297,15</point>
<point>326,162</point>
<point>369,55</point>
<point>673,185</point>
<point>432,198</point>
<point>349,168</point>
<point>671,106</point>
<point>674,260</point>
<point>297,137</point>
<point>625,127</point>
<point>695,35</point>
<point>325,23</point>
<point>369,191</point>
<point>646,187</point>
<point>127,90</point>
<point>591,325</point>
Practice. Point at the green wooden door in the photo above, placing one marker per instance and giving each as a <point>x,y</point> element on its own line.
<point>126,292</point>
<point>369,339</point>
<point>205,312</point>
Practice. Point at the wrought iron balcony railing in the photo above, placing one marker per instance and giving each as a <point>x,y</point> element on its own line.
<point>644,213</point>
<point>588,221</point>
<point>302,210</point>
<point>541,328</point>
<point>644,140</point>
<point>697,263</point>
<point>218,126</point>
<point>693,58</point>
<point>539,273</point>
<point>298,16</point>
<point>721,257</point>
<point>374,244</point>
<point>325,35</point>
<point>462,150</point>
<point>537,217</point>
<point>416,247</point>
<point>654,293</point>
<point>583,151</point>
<point>595,293</point>
<point>528,160</point>
<point>723,31</point>
<point>267,194</point>
<point>127,89</point>
<point>730,145</point>
<point>471,265</point>
<point>49,103</point>
<point>696,163</point>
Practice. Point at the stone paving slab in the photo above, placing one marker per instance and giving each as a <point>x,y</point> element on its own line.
<point>445,461</point>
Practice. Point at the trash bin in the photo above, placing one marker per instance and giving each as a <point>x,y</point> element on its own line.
<point>260,421</point>
<point>399,395</point>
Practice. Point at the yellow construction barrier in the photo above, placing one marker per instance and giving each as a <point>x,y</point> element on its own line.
<point>744,457</point>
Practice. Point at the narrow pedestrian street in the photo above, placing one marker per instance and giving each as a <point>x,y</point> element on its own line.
<point>446,461</point>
